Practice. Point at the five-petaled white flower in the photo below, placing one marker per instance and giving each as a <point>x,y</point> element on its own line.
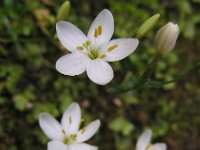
<point>90,53</point>
<point>67,136</point>
<point>144,142</point>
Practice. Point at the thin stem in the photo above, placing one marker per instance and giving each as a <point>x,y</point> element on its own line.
<point>150,84</point>
<point>146,75</point>
<point>11,40</point>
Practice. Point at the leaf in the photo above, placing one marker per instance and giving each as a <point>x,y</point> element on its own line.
<point>20,102</point>
<point>121,125</point>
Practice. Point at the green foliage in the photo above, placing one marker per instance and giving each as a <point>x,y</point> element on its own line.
<point>167,99</point>
<point>122,126</point>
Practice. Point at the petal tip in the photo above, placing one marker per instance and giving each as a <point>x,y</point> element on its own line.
<point>60,24</point>
<point>43,115</point>
<point>106,11</point>
<point>74,105</point>
<point>97,122</point>
<point>148,131</point>
<point>136,41</point>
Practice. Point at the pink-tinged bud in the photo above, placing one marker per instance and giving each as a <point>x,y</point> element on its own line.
<point>166,37</point>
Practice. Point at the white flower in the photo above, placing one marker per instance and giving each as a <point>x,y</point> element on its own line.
<point>166,37</point>
<point>67,136</point>
<point>143,142</point>
<point>90,53</point>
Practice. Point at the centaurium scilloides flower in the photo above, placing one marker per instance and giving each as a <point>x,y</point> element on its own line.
<point>143,142</point>
<point>67,136</point>
<point>92,53</point>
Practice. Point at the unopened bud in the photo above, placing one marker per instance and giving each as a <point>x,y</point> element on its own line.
<point>166,37</point>
<point>63,11</point>
<point>147,25</point>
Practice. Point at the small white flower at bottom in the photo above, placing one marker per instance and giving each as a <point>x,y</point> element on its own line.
<point>67,136</point>
<point>143,142</point>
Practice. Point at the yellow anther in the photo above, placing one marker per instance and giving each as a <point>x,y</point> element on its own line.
<point>102,56</point>
<point>112,47</point>
<point>87,43</point>
<point>83,130</point>
<point>99,30</point>
<point>73,137</point>
<point>95,33</point>
<point>148,146</point>
<point>93,54</point>
<point>63,131</point>
<point>79,48</point>
<point>70,120</point>
<point>70,139</point>
<point>81,122</point>
<point>65,140</point>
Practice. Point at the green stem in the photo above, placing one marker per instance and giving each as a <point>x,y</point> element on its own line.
<point>149,70</point>
<point>145,76</point>
<point>150,84</point>
<point>22,40</point>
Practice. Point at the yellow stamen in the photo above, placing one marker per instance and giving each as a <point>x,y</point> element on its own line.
<point>73,137</point>
<point>99,30</point>
<point>79,48</point>
<point>148,146</point>
<point>102,56</point>
<point>65,140</point>
<point>70,120</point>
<point>80,122</point>
<point>63,131</point>
<point>112,47</point>
<point>95,33</point>
<point>83,130</point>
<point>88,43</point>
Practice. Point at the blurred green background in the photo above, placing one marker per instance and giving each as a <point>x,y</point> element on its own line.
<point>29,83</point>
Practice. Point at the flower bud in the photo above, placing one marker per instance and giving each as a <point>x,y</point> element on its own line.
<point>63,11</point>
<point>166,37</point>
<point>147,25</point>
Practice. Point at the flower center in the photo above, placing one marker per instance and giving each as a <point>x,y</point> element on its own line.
<point>70,139</point>
<point>93,54</point>
<point>148,147</point>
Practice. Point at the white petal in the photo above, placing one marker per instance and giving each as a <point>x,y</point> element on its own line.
<point>159,146</point>
<point>106,22</point>
<point>82,146</point>
<point>71,119</point>
<point>69,35</point>
<point>99,71</point>
<point>56,145</point>
<point>50,126</point>
<point>86,133</point>
<point>144,140</point>
<point>72,64</point>
<point>118,49</point>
